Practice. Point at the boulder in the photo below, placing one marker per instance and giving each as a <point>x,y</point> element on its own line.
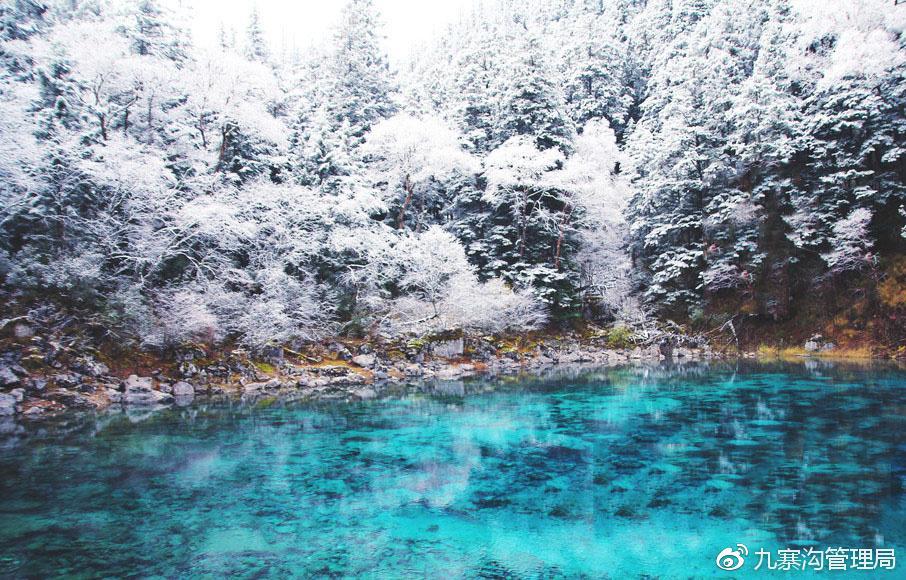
<point>36,385</point>
<point>90,366</point>
<point>137,384</point>
<point>7,377</point>
<point>182,389</point>
<point>7,404</point>
<point>161,398</point>
<point>21,330</point>
<point>364,360</point>
<point>814,343</point>
<point>272,354</point>
<point>448,348</point>
<point>19,394</point>
<point>67,380</point>
<point>139,392</point>
<point>271,385</point>
<point>72,399</point>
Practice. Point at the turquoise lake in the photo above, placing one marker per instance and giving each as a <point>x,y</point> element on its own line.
<point>616,473</point>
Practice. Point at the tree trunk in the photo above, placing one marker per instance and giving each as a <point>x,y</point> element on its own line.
<point>221,153</point>
<point>561,234</point>
<point>150,119</point>
<point>407,185</point>
<point>523,225</point>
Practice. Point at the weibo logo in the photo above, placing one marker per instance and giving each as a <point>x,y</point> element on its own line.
<point>730,559</point>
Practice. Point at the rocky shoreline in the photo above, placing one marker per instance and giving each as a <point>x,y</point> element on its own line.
<point>40,378</point>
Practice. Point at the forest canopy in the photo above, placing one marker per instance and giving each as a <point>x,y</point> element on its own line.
<point>540,162</point>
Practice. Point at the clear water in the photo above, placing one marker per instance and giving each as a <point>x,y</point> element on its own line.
<point>621,473</point>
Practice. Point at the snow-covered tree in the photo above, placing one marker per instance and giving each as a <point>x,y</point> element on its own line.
<point>256,48</point>
<point>412,160</point>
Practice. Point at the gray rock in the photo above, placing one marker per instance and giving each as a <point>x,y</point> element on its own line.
<point>271,385</point>
<point>364,360</point>
<point>165,388</point>
<point>7,404</point>
<point>114,396</point>
<point>8,377</point>
<point>34,412</point>
<point>21,330</point>
<point>19,394</point>
<point>813,344</point>
<point>137,384</point>
<point>414,370</point>
<point>161,398</point>
<point>340,351</point>
<point>36,385</point>
<point>72,399</point>
<point>139,392</point>
<point>187,369</point>
<point>272,354</point>
<point>67,380</point>
<point>88,365</point>
<point>448,348</point>
<point>182,389</point>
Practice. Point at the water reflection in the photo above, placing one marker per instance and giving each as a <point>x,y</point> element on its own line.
<point>609,472</point>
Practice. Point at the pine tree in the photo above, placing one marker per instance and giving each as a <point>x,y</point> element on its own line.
<point>255,45</point>
<point>595,75</point>
<point>530,103</point>
<point>152,31</point>
<point>682,174</point>
<point>360,85</point>
<point>474,103</point>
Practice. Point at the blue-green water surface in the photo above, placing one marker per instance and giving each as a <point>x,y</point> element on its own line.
<point>619,473</point>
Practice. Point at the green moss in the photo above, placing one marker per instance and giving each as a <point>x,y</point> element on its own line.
<point>265,367</point>
<point>619,337</point>
<point>416,343</point>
